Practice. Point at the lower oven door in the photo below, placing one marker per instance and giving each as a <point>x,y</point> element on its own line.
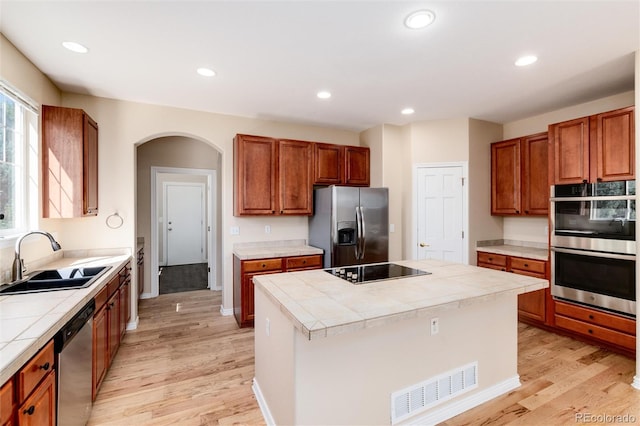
<point>602,280</point>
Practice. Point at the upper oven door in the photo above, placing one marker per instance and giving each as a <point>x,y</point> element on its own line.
<point>603,211</point>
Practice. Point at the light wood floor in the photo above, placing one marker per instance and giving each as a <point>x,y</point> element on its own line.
<point>188,365</point>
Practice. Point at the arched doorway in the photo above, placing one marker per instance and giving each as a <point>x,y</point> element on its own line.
<point>183,160</point>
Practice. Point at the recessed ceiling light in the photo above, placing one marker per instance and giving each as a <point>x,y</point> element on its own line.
<point>324,94</point>
<point>206,72</point>
<point>420,19</point>
<point>75,47</point>
<point>523,61</point>
<point>407,111</point>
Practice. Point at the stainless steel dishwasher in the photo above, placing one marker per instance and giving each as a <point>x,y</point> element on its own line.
<point>73,346</point>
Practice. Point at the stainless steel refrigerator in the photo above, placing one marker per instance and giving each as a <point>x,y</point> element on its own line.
<point>351,225</point>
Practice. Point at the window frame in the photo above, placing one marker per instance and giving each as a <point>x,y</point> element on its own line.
<point>27,199</point>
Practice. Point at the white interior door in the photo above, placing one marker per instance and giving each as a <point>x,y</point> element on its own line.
<point>184,223</point>
<point>440,215</point>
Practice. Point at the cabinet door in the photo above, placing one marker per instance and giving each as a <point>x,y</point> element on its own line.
<point>90,167</point>
<point>535,176</point>
<point>39,409</point>
<point>113,315</point>
<point>248,307</point>
<point>100,348</point>
<point>255,163</point>
<point>356,166</point>
<point>614,145</point>
<point>505,177</point>
<point>328,164</point>
<point>571,151</point>
<point>7,403</point>
<point>124,295</point>
<point>295,174</point>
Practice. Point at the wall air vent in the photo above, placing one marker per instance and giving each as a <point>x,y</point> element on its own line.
<point>422,396</point>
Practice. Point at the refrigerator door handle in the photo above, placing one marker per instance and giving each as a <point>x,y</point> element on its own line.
<point>363,233</point>
<point>358,233</point>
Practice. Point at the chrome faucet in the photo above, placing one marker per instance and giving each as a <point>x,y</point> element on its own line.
<point>18,263</point>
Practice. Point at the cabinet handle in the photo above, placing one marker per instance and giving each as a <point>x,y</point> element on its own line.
<point>590,331</point>
<point>526,212</point>
<point>590,317</point>
<point>491,258</point>
<point>264,266</point>
<point>599,179</point>
<point>304,261</point>
<point>45,367</point>
<point>584,181</point>
<point>518,211</point>
<point>526,265</point>
<point>30,410</point>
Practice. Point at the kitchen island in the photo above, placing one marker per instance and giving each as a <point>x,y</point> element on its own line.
<point>409,350</point>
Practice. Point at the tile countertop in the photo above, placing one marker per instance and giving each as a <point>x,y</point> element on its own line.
<point>518,251</point>
<point>29,321</point>
<point>270,249</point>
<point>320,304</point>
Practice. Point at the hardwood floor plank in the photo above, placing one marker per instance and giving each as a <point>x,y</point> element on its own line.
<point>186,364</point>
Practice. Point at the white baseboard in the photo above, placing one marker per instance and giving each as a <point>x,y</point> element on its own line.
<point>457,407</point>
<point>132,325</point>
<point>226,312</point>
<point>636,382</point>
<point>262,403</point>
<point>146,296</point>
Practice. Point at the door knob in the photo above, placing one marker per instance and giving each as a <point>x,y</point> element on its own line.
<point>424,245</point>
<point>170,229</point>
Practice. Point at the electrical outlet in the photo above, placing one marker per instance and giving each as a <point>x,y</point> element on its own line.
<point>435,326</point>
<point>268,327</point>
<point>267,229</point>
<point>235,230</point>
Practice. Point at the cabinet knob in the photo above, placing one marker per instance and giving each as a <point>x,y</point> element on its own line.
<point>590,317</point>
<point>526,265</point>
<point>590,331</point>
<point>45,366</point>
<point>518,211</point>
<point>264,266</point>
<point>584,181</point>
<point>599,179</point>
<point>29,411</point>
<point>526,212</point>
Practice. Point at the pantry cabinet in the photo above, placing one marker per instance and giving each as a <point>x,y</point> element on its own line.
<point>597,148</point>
<point>69,163</point>
<point>532,306</point>
<point>245,270</point>
<point>519,176</point>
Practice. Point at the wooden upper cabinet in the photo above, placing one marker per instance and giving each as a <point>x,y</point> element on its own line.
<point>356,166</point>
<point>505,177</point>
<point>519,176</point>
<point>328,164</point>
<point>295,175</point>
<point>69,163</point>
<point>594,149</point>
<point>614,145</point>
<point>255,174</point>
<point>535,177</point>
<point>272,177</point>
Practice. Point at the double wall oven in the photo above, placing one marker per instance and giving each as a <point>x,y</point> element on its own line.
<point>593,247</point>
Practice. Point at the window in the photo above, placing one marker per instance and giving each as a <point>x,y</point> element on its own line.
<point>18,163</point>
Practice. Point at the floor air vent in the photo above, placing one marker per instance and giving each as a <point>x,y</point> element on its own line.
<point>422,396</point>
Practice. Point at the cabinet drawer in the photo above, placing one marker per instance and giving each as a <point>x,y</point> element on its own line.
<point>7,401</point>
<point>303,262</point>
<point>596,332</point>
<point>529,265</point>
<point>113,285</point>
<point>33,371</point>
<point>262,265</point>
<point>101,297</point>
<point>490,266</point>
<point>599,318</point>
<point>492,259</point>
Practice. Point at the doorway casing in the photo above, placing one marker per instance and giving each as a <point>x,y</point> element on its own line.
<point>211,227</point>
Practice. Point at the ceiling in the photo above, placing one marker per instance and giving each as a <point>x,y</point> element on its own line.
<point>272,57</point>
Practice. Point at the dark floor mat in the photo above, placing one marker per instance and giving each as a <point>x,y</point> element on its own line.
<point>179,278</point>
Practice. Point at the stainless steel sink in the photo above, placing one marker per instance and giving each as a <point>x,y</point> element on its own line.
<point>55,279</point>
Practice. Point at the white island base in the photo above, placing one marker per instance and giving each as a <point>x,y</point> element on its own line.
<point>331,353</point>
<point>349,378</point>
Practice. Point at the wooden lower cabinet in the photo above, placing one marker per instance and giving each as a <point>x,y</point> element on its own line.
<point>245,270</point>
<point>599,326</point>
<point>109,323</point>
<point>29,397</point>
<point>532,306</point>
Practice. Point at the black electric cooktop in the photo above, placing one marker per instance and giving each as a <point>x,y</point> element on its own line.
<point>364,274</point>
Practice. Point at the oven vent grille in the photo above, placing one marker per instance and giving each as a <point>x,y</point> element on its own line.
<point>422,396</point>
